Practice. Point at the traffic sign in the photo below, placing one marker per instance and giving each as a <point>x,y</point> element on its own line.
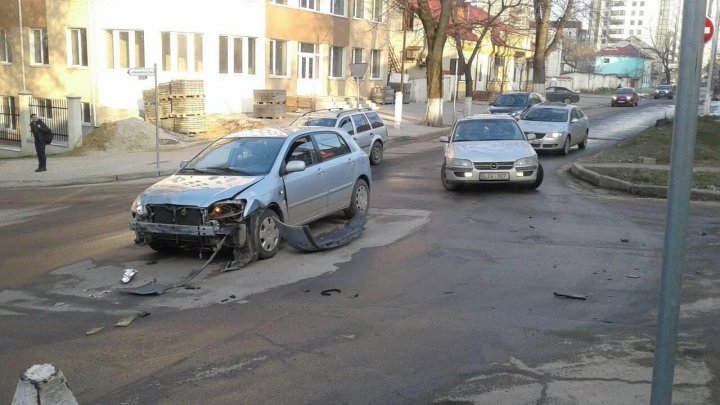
<point>141,71</point>
<point>709,30</point>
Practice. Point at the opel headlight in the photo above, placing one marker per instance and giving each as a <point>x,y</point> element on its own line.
<point>530,161</point>
<point>553,135</point>
<point>137,208</point>
<point>460,163</point>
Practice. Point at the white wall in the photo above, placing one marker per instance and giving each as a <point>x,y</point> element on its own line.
<point>224,92</point>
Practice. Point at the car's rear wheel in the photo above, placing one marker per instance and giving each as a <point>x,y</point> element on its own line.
<point>584,142</point>
<point>267,234</point>
<point>360,200</point>
<point>376,153</point>
<point>567,100</point>
<point>539,178</point>
<point>566,146</point>
<point>449,185</point>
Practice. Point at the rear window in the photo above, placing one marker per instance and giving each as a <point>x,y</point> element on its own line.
<point>375,120</point>
<point>321,122</point>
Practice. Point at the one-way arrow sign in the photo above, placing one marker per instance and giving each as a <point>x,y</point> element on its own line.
<point>141,71</point>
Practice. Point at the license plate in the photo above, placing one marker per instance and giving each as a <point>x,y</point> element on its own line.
<point>494,176</point>
<point>621,101</point>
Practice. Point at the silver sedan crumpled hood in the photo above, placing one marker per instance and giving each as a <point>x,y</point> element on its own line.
<point>492,151</point>
<point>542,126</point>
<point>194,190</point>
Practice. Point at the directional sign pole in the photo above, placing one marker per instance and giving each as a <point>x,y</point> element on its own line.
<point>157,122</point>
<point>681,161</point>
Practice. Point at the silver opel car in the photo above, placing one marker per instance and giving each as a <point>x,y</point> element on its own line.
<point>489,149</point>
<point>233,193</point>
<point>556,127</point>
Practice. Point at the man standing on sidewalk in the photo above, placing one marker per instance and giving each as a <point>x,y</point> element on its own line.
<point>39,129</point>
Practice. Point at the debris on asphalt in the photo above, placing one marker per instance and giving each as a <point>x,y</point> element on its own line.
<point>125,321</point>
<point>632,276</point>
<point>94,330</point>
<point>572,296</point>
<point>142,314</point>
<point>58,304</point>
<point>532,227</point>
<point>699,272</point>
<point>300,237</point>
<point>702,234</point>
<point>355,296</point>
<point>224,300</point>
<point>624,240</point>
<point>449,292</point>
<point>307,291</point>
<point>329,292</point>
<point>232,296</point>
<point>128,275</point>
<point>151,288</point>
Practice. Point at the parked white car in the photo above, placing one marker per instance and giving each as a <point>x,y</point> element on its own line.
<point>489,149</point>
<point>556,127</point>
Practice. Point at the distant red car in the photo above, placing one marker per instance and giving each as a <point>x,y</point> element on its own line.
<point>624,96</point>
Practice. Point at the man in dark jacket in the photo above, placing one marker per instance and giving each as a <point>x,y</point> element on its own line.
<point>38,129</point>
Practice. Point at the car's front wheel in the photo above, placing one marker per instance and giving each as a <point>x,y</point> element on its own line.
<point>584,142</point>
<point>566,146</point>
<point>376,153</point>
<point>449,185</point>
<point>267,234</point>
<point>539,178</point>
<point>360,200</point>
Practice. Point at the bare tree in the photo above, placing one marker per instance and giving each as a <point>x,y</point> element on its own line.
<point>578,55</point>
<point>544,45</point>
<point>435,18</point>
<point>663,46</point>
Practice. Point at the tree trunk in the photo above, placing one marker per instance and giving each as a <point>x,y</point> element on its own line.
<point>434,115</point>
<point>539,71</point>
<point>667,74</point>
<point>469,87</point>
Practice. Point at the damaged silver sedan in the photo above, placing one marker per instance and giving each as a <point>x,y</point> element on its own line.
<point>244,189</point>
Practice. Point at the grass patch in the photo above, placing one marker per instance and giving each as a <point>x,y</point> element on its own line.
<point>659,177</point>
<point>656,142</point>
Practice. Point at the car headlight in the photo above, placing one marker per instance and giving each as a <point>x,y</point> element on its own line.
<point>226,209</point>
<point>460,163</point>
<point>530,161</point>
<point>137,208</point>
<point>614,97</point>
<point>551,135</point>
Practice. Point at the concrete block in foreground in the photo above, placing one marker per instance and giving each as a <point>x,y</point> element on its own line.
<point>43,384</point>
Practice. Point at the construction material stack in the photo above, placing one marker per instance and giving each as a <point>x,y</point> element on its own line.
<point>270,104</point>
<point>181,106</point>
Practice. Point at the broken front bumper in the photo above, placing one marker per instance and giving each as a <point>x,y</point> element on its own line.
<point>173,229</point>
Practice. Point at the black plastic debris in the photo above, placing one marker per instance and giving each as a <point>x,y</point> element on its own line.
<point>151,288</point>
<point>329,292</point>
<point>300,237</point>
<point>572,296</point>
<point>632,276</point>
<point>624,240</point>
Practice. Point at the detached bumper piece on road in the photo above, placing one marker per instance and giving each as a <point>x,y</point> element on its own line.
<point>300,237</point>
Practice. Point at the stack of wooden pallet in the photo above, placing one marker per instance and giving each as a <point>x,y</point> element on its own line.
<point>181,106</point>
<point>270,104</point>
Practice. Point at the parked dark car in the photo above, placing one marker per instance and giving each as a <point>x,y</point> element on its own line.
<point>664,90</point>
<point>624,96</point>
<point>514,103</point>
<point>561,95</point>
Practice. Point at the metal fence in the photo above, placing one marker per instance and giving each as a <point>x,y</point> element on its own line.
<point>10,134</point>
<point>54,113</point>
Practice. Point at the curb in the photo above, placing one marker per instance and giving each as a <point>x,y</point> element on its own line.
<point>641,190</point>
<point>87,180</point>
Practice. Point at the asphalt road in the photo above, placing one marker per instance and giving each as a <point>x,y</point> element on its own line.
<point>451,302</point>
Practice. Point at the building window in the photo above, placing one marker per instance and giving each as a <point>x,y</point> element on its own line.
<point>359,11</point>
<point>282,2</point>
<point>307,61</point>
<point>309,4</point>
<point>641,12</point>
<point>337,7</point>
<point>357,55</point>
<point>606,60</point>
<point>337,65</point>
<point>86,115</point>
<point>639,22</point>
<point>375,60</point>
<point>377,10</point>
<point>77,47</point>
<point>7,112</point>
<point>125,49</point>
<point>632,22</point>
<point>185,50</point>
<point>39,46</point>
<point>237,55</point>
<point>5,50</point>
<point>278,58</point>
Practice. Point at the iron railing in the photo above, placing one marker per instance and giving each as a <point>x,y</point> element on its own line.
<point>10,134</point>
<point>54,113</point>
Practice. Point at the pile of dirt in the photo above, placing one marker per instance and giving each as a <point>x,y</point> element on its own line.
<point>131,135</point>
<point>223,124</point>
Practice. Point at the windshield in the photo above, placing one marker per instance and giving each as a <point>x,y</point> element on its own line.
<point>624,91</point>
<point>237,156</point>
<point>487,130</point>
<point>511,100</point>
<point>666,87</point>
<point>546,114</point>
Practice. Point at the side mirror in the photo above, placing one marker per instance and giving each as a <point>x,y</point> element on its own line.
<point>444,139</point>
<point>574,120</point>
<point>183,163</point>
<point>531,136</point>
<point>295,166</point>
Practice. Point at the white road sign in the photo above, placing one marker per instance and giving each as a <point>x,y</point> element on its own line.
<point>141,71</point>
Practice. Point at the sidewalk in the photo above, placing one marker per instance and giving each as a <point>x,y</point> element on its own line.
<point>104,167</point>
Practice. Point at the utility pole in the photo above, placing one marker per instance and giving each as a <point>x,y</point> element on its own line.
<point>713,50</point>
<point>683,150</point>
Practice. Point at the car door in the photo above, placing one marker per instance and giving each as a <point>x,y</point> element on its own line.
<point>584,121</point>
<point>305,191</point>
<point>551,93</point>
<point>363,134</point>
<point>576,127</point>
<point>339,168</point>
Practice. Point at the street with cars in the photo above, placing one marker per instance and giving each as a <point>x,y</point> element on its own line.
<point>448,294</point>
